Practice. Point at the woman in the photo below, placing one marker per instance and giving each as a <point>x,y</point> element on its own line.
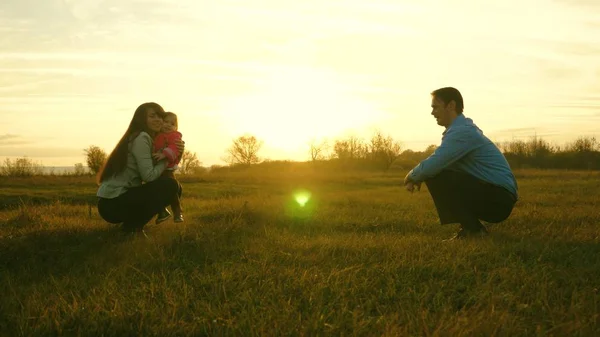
<point>122,196</point>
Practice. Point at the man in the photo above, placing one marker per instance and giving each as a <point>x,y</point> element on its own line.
<point>467,176</point>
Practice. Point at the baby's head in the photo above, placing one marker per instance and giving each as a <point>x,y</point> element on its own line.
<point>169,122</point>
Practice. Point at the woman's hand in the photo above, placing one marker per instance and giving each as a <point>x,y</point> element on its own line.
<point>158,156</point>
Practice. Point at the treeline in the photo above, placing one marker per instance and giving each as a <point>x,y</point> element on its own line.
<point>581,154</point>
<point>379,152</point>
<point>382,152</point>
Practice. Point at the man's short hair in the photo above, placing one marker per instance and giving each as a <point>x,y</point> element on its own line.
<point>449,94</point>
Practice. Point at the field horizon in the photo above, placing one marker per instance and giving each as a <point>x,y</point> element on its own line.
<point>300,253</point>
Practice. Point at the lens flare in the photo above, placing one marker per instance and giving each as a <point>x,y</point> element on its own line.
<point>302,198</point>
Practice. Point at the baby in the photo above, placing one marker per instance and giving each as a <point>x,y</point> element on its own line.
<point>165,148</point>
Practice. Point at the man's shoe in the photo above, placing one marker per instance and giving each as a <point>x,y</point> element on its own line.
<point>178,218</point>
<point>163,216</point>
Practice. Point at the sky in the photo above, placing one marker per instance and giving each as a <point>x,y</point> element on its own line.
<point>72,72</point>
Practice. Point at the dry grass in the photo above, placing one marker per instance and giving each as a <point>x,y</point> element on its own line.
<point>362,257</point>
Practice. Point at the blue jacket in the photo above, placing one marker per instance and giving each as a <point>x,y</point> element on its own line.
<point>465,148</point>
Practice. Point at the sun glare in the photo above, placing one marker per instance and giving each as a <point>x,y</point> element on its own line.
<point>295,105</point>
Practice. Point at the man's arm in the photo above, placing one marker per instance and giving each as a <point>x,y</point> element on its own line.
<point>456,143</point>
<point>171,152</point>
<point>180,144</point>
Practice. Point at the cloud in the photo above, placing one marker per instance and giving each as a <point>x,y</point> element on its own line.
<point>46,152</point>
<point>558,70</point>
<point>525,132</point>
<point>7,136</point>
<point>516,130</point>
<point>11,140</point>
<point>587,98</point>
<point>578,48</point>
<point>579,103</point>
<point>580,3</point>
<point>584,106</point>
<point>592,24</point>
<point>83,9</point>
<point>32,60</point>
<point>23,84</point>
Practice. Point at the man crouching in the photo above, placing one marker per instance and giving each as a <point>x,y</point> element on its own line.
<point>467,176</point>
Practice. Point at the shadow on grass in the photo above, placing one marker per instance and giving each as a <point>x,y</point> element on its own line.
<point>72,263</point>
<point>561,254</point>
<point>381,227</point>
<point>378,280</point>
<point>38,255</point>
<point>15,201</point>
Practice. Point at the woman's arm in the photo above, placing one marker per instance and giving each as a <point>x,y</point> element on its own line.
<point>142,151</point>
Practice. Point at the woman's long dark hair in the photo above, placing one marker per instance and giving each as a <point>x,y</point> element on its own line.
<point>117,161</point>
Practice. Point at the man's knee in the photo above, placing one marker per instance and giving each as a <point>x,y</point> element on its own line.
<point>500,214</point>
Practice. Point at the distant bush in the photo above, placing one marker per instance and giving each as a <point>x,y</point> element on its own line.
<point>21,167</point>
<point>582,154</point>
<point>79,170</point>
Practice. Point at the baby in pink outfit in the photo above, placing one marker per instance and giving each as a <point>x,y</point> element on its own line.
<point>165,148</point>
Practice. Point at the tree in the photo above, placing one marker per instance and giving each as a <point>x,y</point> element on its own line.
<point>244,150</point>
<point>79,169</point>
<point>189,163</point>
<point>383,150</point>
<point>95,158</point>
<point>350,148</point>
<point>318,151</point>
<point>584,144</point>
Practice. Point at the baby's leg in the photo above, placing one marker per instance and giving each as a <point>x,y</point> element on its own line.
<point>176,205</point>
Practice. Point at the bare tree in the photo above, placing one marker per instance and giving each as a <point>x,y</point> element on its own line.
<point>318,151</point>
<point>244,150</point>
<point>95,158</point>
<point>383,149</point>
<point>189,163</point>
<point>350,148</point>
<point>430,149</point>
<point>584,144</point>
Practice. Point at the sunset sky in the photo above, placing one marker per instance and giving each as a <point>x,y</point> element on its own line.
<point>73,71</point>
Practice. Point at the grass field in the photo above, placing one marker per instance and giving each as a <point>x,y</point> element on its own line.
<point>361,257</point>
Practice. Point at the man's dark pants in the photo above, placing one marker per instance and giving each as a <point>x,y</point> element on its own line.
<point>461,198</point>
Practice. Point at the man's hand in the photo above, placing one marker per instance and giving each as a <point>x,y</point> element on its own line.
<point>407,178</point>
<point>410,186</point>
<point>158,156</point>
<point>180,146</point>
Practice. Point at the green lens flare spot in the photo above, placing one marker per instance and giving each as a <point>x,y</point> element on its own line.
<point>302,198</point>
